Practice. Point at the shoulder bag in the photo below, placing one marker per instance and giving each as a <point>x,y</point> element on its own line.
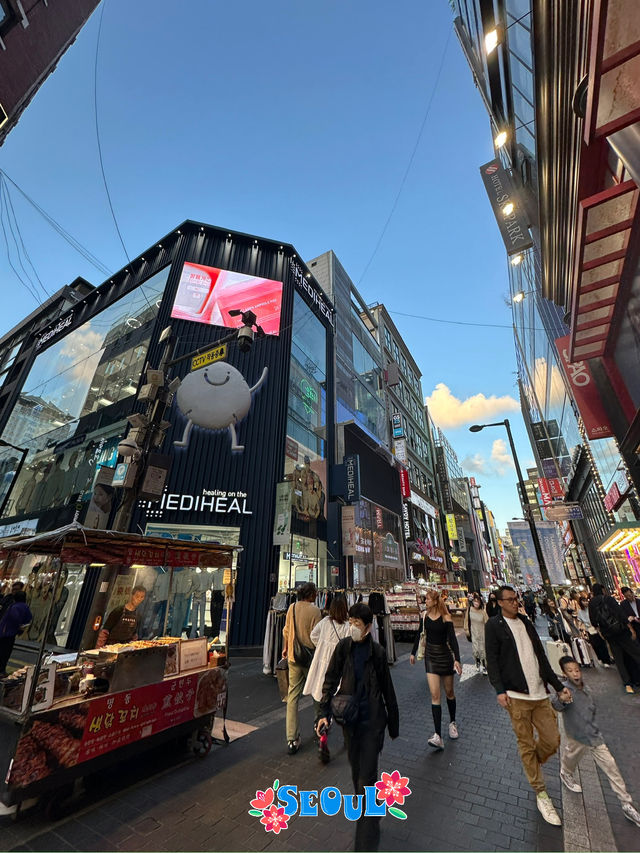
<point>422,643</point>
<point>302,655</point>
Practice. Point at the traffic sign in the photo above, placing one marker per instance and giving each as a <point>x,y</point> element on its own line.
<point>208,357</point>
<point>564,512</point>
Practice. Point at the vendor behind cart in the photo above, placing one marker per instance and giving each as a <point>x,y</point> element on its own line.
<point>14,620</point>
<point>123,624</point>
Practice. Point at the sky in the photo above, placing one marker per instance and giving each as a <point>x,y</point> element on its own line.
<point>327,125</point>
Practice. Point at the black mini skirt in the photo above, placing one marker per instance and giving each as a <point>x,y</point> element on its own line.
<point>438,659</point>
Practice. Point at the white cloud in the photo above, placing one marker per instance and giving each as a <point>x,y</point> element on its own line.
<point>501,457</point>
<point>449,412</point>
<point>475,464</point>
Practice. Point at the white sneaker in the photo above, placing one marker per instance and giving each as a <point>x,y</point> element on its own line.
<point>546,809</point>
<point>453,731</point>
<point>436,742</point>
<point>484,670</point>
<point>569,782</point>
<point>631,813</point>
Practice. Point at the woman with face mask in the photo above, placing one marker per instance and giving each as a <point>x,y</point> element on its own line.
<point>441,660</point>
<point>474,621</point>
<point>493,608</point>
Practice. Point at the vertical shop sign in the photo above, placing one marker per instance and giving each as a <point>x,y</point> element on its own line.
<point>349,532</point>
<point>396,423</point>
<point>545,491</point>
<point>405,485</point>
<point>587,397</point>
<point>451,527</point>
<point>407,522</point>
<point>352,473</point>
<point>282,518</point>
<point>501,191</point>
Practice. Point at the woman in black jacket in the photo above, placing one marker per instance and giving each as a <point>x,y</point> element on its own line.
<point>441,659</point>
<point>359,665</point>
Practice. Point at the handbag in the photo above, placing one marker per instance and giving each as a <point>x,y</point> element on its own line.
<point>345,707</point>
<point>282,674</point>
<point>422,643</point>
<point>302,654</point>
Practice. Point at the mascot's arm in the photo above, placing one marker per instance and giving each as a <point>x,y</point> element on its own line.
<point>260,381</point>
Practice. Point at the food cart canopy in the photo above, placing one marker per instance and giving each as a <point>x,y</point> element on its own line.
<point>74,543</point>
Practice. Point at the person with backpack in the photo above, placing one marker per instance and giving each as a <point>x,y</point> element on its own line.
<point>608,617</point>
<point>359,666</point>
<point>298,648</point>
<point>15,619</point>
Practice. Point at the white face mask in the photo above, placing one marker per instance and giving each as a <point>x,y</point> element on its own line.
<point>356,633</point>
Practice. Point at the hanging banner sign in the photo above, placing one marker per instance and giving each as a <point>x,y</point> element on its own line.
<point>282,519</point>
<point>405,486</point>
<point>452,530</point>
<point>349,532</point>
<point>352,475</point>
<point>587,397</point>
<point>500,189</point>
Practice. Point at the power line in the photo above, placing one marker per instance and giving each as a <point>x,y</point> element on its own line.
<point>95,111</point>
<point>11,213</point>
<point>89,256</point>
<point>411,159</point>
<point>28,287</point>
<point>463,322</point>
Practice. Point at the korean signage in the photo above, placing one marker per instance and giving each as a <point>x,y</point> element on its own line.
<point>349,532</point>
<point>208,357</point>
<point>550,488</point>
<point>405,486</point>
<point>396,424</point>
<point>587,397</point>
<point>400,450</point>
<point>564,512</point>
<point>451,527</point>
<point>513,226</point>
<point>441,468</point>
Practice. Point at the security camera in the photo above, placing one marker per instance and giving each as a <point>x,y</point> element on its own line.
<point>128,449</point>
<point>245,338</point>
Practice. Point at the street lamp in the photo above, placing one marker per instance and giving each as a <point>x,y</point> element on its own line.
<point>527,508</point>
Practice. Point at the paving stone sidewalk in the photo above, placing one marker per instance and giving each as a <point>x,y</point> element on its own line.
<point>471,796</point>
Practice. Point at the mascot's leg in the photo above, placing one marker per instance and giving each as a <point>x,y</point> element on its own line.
<point>234,438</point>
<point>185,436</point>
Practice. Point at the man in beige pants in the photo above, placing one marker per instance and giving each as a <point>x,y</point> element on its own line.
<point>307,615</point>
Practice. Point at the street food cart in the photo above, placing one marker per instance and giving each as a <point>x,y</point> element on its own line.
<point>68,715</point>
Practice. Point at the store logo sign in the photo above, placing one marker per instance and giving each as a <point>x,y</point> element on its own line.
<point>314,294</point>
<point>52,333</point>
<point>278,804</point>
<point>352,471</point>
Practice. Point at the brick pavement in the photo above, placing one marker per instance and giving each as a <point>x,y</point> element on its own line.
<point>471,796</point>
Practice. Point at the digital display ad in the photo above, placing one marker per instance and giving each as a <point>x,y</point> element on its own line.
<point>207,294</point>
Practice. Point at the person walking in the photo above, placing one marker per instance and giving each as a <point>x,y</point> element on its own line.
<point>14,621</point>
<point>493,607</point>
<point>530,604</point>
<point>590,633</point>
<point>519,672</point>
<point>325,636</point>
<point>441,660</point>
<point>608,617</point>
<point>581,734</point>
<point>475,619</point>
<point>631,609</point>
<point>359,665</point>
<point>302,617</point>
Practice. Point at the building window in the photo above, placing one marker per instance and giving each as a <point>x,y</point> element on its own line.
<point>8,357</point>
<point>387,338</point>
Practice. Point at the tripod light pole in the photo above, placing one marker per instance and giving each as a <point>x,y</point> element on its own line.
<point>546,581</point>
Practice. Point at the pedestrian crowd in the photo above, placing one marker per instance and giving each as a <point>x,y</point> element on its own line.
<point>336,661</point>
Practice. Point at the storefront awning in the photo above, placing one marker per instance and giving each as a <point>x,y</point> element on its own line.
<point>624,535</point>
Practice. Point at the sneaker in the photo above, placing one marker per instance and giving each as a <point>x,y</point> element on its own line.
<point>546,809</point>
<point>607,665</point>
<point>436,742</point>
<point>292,746</point>
<point>453,731</point>
<point>477,666</point>
<point>628,688</point>
<point>570,782</point>
<point>484,670</point>
<point>631,813</point>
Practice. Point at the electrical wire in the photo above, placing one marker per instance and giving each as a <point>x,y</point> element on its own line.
<point>411,158</point>
<point>89,256</point>
<point>28,287</point>
<point>15,229</point>
<point>95,111</point>
<point>462,322</point>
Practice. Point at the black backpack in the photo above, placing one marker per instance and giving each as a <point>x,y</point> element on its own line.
<point>608,622</point>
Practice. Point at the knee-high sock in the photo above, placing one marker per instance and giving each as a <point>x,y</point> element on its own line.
<point>436,710</point>
<point>451,705</point>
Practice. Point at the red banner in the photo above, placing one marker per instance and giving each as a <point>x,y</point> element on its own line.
<point>545,491</point>
<point>405,486</point>
<point>585,393</point>
<point>555,487</point>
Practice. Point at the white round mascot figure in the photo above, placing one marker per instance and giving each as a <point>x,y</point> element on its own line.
<point>215,397</point>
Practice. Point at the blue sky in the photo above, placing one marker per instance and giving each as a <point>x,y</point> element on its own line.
<point>294,121</point>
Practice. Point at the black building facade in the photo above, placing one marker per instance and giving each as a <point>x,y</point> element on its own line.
<point>260,420</point>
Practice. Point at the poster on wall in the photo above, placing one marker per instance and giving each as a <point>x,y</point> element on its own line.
<point>349,531</point>
<point>282,518</point>
<point>309,489</point>
<point>208,294</point>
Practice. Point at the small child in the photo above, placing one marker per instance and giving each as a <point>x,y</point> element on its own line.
<point>582,733</point>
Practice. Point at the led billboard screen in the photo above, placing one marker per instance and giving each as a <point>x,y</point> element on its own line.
<point>207,294</point>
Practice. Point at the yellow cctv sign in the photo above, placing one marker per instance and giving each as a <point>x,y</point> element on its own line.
<point>208,357</point>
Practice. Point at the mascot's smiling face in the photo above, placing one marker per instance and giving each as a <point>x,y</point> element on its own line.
<point>214,396</point>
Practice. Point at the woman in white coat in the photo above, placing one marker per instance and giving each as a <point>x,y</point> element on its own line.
<point>326,636</point>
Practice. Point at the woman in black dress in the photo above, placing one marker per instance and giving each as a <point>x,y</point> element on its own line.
<point>493,608</point>
<point>441,659</point>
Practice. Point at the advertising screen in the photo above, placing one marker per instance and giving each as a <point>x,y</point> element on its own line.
<point>207,294</point>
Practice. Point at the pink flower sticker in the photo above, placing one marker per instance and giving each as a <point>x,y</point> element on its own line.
<point>393,788</point>
<point>263,799</point>
<point>274,819</point>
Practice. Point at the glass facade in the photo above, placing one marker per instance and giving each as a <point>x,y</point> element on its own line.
<point>306,450</point>
<point>69,413</point>
<point>378,545</point>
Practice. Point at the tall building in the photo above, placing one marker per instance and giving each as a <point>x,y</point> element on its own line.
<point>562,189</point>
<point>33,37</point>
<point>370,546</point>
